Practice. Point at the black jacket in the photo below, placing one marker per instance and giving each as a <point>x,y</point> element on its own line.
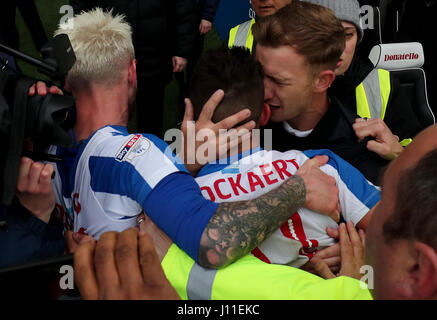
<point>207,9</point>
<point>26,238</point>
<point>161,29</point>
<point>399,115</point>
<point>334,132</point>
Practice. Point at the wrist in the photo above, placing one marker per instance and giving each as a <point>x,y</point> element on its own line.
<point>298,191</point>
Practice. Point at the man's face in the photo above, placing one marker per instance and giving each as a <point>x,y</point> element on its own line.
<point>265,8</point>
<point>288,82</point>
<point>386,259</point>
<point>393,261</point>
<point>351,43</point>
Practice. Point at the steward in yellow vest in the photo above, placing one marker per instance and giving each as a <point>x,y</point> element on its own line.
<point>252,279</point>
<point>241,36</point>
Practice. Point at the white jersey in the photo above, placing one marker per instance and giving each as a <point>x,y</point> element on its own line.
<point>105,180</point>
<point>296,241</point>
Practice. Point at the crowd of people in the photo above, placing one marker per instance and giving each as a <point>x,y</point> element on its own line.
<point>296,218</point>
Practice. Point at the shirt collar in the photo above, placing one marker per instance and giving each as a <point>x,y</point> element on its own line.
<point>221,164</point>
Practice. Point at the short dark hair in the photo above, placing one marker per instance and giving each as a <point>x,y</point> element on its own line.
<point>237,73</point>
<point>312,30</point>
<point>415,216</point>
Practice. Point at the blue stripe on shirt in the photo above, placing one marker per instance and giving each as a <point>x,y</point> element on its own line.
<point>178,207</point>
<point>114,177</point>
<point>176,203</point>
<point>367,193</point>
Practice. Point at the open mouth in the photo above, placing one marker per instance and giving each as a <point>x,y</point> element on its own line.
<point>272,107</point>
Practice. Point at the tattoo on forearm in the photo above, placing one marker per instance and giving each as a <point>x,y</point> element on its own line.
<point>238,227</point>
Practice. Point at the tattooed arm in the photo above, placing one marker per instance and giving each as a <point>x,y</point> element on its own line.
<point>237,228</point>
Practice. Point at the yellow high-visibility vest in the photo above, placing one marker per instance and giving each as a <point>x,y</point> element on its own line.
<point>252,279</point>
<point>373,95</point>
<point>241,35</point>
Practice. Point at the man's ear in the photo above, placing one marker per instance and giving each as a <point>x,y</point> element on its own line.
<point>424,275</point>
<point>132,73</point>
<point>67,86</point>
<point>265,115</point>
<point>323,81</point>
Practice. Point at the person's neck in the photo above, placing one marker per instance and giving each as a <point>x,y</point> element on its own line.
<point>98,107</point>
<point>311,117</point>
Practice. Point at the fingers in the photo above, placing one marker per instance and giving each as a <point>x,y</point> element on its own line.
<point>329,252</point>
<point>34,177</point>
<point>80,238</point>
<point>32,90</point>
<point>319,161</point>
<point>155,284</point>
<point>362,237</point>
<point>23,173</point>
<point>346,250</point>
<point>85,275</point>
<point>370,128</point>
<point>333,233</point>
<point>104,260</point>
<point>209,107</point>
<point>382,149</point>
<point>321,268</point>
<point>55,90</point>
<point>356,241</point>
<point>45,179</point>
<point>41,88</point>
<point>235,119</point>
<point>189,112</point>
<point>126,257</point>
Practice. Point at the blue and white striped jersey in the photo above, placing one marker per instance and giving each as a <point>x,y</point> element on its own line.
<point>250,176</point>
<point>108,179</point>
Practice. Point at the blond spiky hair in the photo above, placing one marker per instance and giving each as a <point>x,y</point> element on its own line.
<point>103,47</point>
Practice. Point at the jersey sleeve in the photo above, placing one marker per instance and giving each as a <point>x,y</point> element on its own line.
<point>177,206</point>
<point>357,195</point>
<point>144,169</point>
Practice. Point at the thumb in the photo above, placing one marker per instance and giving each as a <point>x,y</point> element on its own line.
<point>320,160</point>
<point>377,147</point>
<point>189,112</point>
<point>333,233</point>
